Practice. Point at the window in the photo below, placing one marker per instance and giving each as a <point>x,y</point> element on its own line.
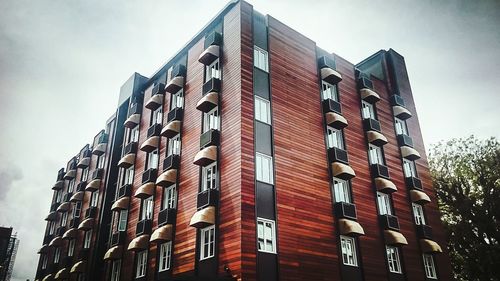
<point>348,247</point>
<point>329,91</point>
<point>122,220</point>
<point>207,242</point>
<point>401,128</point>
<point>375,154</point>
<point>58,196</point>
<point>78,209</point>
<point>152,160</point>
<point>133,135</point>
<point>87,239</point>
<point>211,120</point>
<point>147,208</point>
<point>156,116</point>
<point>384,204</point>
<point>169,197</point>
<point>100,161</point>
<point>142,262</point>
<point>335,138</point>
<point>165,256</point>
<point>44,261</point>
<point>393,259</point>
<point>341,191</point>
<point>212,70</point>
<point>260,58</point>
<point>264,168</point>
<point>85,174</point>
<point>64,219</point>
<point>94,198</point>
<point>262,110</point>
<point>71,247</point>
<point>430,268</point>
<point>115,270</point>
<point>266,235</point>
<point>71,185</point>
<point>418,213</point>
<point>177,100</point>
<point>57,255</point>
<point>80,277</point>
<point>128,176</point>
<point>367,110</point>
<point>52,227</point>
<point>174,145</point>
<point>209,177</point>
<point>409,168</point>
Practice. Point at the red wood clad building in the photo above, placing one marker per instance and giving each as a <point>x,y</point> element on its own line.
<point>252,154</point>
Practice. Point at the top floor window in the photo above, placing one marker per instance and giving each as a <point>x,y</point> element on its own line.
<point>367,109</point>
<point>329,91</point>
<point>212,70</point>
<point>260,59</point>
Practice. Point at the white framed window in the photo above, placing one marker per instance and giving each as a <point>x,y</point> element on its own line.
<point>57,255</point>
<point>115,270</point>
<point>85,174</point>
<point>348,247</point>
<point>44,261</point>
<point>94,198</point>
<point>367,110</point>
<point>87,239</point>
<point>141,264</point>
<point>78,209</point>
<point>264,168</point>
<point>165,256</point>
<point>122,220</point>
<point>262,110</point>
<point>393,259</point>
<point>100,161</point>
<point>384,204</point>
<point>212,70</point>
<point>430,268</point>
<point>71,185</point>
<point>177,100</point>
<point>174,145</point>
<point>147,208</point>
<point>418,214</point>
<point>153,159</point>
<point>260,59</point>
<point>329,91</point>
<point>169,197</point>
<point>341,191</point>
<point>211,120</point>
<point>133,135</point>
<point>207,242</point>
<point>128,176</point>
<point>375,155</point>
<point>266,235</point>
<point>71,247</point>
<point>209,177</point>
<point>59,196</point>
<point>409,168</point>
<point>52,227</point>
<point>157,116</point>
<point>401,127</point>
<point>64,219</point>
<point>334,137</point>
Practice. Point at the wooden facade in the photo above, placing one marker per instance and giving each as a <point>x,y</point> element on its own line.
<point>307,227</point>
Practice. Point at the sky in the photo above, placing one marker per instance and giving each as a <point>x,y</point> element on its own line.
<point>62,64</point>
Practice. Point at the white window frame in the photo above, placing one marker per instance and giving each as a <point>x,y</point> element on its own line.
<point>58,196</point>
<point>85,175</point>
<point>57,254</point>
<point>266,235</point>
<point>71,185</point>
<point>94,198</point>
<point>141,264</point>
<point>262,109</point>
<point>122,220</point>
<point>211,120</point>
<point>44,261</point>
<point>341,190</point>
<point>115,270</point>
<point>207,239</point>
<point>212,70</point>
<point>393,260</point>
<point>169,197</point>
<point>78,209</point>
<point>409,168</point>
<point>375,154</point>
<point>209,177</point>
<point>177,100</point>
<point>384,203</point>
<point>153,159</point>
<point>329,91</point>
<point>400,126</point>
<point>64,219</point>
<point>165,256</point>
<point>128,175</point>
<point>101,159</point>
<point>52,227</point>
<point>147,208</point>
<point>174,145</point>
<point>260,59</point>
<point>133,135</point>
<point>429,266</point>
<point>418,214</point>
<point>264,168</point>
<point>87,239</point>
<point>71,247</point>
<point>348,249</point>
<point>157,116</point>
<point>334,137</point>
<point>367,110</point>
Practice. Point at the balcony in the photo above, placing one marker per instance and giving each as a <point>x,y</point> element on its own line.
<point>46,241</point>
<point>139,243</point>
<point>404,140</point>
<point>60,174</point>
<point>380,171</point>
<point>147,188</point>
<point>125,191</point>
<point>177,81</point>
<point>167,178</point>
<point>207,198</point>
<point>409,153</point>
<point>210,99</point>
<point>342,171</point>
<point>128,158</point>
<point>171,162</point>
<point>134,116</point>
<point>78,196</point>
<point>424,231</point>
<point>58,185</point>
<point>166,216</point>
<point>399,107</point>
<point>206,156</point>
<point>153,140</point>
<point>394,238</point>
<point>120,204</point>
<point>162,234</point>
<point>397,100</point>
<point>67,196</point>
<point>376,138</point>
<point>345,210</point>
<point>209,138</point>
<point>54,206</point>
<point>71,233</point>
<point>369,95</point>
<point>364,82</point>
<point>80,187</point>
<point>212,51</point>
<point>413,183</point>
<point>337,155</point>
<point>203,218</point>
<point>118,238</point>
<point>86,224</point>
<point>371,125</point>
<point>429,246</point>
<point>143,227</point>
<point>113,253</point>
<point>74,222</point>
<point>389,222</point>
<point>102,143</point>
<point>96,179</point>
<point>335,120</point>
<point>84,159</point>
<point>330,105</point>
<point>350,228</point>
<point>71,173</point>
<point>60,231</point>
<point>385,185</point>
<point>174,122</point>
<point>419,197</point>
<point>64,207</point>
<point>149,175</point>
<point>91,212</point>
<point>157,95</point>
<point>328,70</point>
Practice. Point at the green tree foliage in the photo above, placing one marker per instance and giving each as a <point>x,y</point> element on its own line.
<point>466,176</point>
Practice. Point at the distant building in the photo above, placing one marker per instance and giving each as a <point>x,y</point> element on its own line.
<point>252,154</point>
<point>8,250</point>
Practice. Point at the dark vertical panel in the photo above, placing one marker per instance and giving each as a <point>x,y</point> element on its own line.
<point>263,141</point>
<point>265,201</point>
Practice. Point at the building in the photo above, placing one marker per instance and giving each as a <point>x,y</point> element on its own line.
<point>8,250</point>
<point>252,154</point>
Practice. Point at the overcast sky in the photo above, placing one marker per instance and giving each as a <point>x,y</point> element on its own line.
<point>62,64</point>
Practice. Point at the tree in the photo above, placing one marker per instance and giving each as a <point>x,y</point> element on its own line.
<point>466,176</point>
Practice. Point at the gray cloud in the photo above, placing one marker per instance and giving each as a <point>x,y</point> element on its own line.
<point>8,174</point>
